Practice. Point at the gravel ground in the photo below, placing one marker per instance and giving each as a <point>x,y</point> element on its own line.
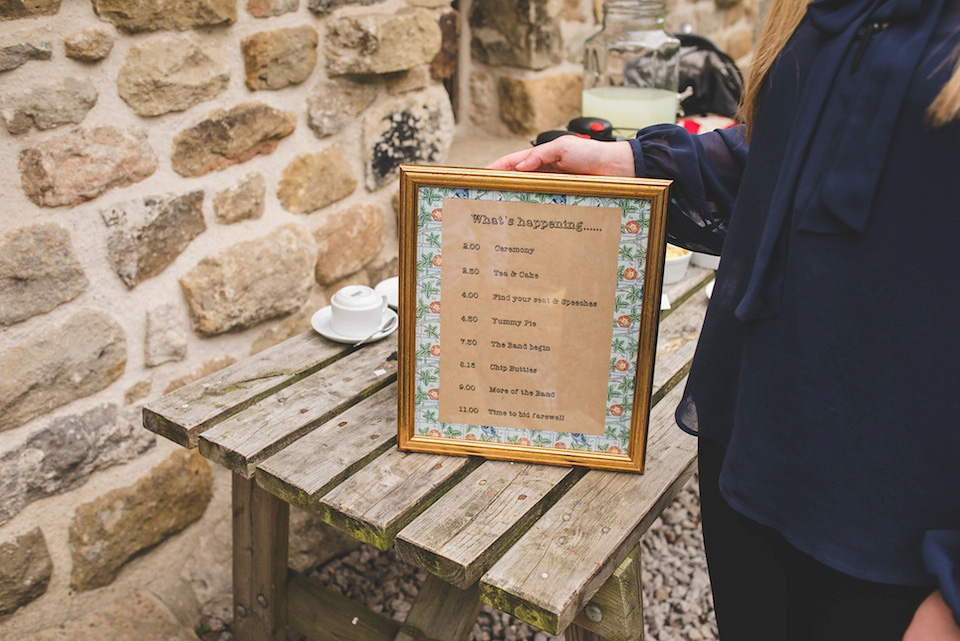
<point>676,588</point>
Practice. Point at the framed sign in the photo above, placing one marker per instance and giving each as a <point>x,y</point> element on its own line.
<point>528,314</point>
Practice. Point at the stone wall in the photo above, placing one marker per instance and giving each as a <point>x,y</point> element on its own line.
<point>184,182</point>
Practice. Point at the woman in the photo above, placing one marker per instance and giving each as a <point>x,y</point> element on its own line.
<point>823,389</point>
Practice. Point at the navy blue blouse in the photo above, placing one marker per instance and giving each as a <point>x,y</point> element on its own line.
<point>828,361</point>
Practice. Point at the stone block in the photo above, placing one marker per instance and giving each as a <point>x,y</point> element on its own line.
<point>137,392</point>
<point>23,47</point>
<point>382,43</point>
<point>444,64</point>
<point>58,364</point>
<point>46,105</point>
<point>89,45</point>
<point>323,7</point>
<point>171,73</point>
<point>251,281</point>
<point>410,128</point>
<point>63,454</point>
<point>279,58</point>
<point>531,105</point>
<point>165,340</point>
<point>243,202</point>
<point>154,15</point>
<point>483,96</point>
<point>230,136</point>
<point>410,80</point>
<point>39,270</point>
<point>269,8</point>
<point>107,532</point>
<point>25,570</point>
<point>147,234</point>
<point>336,103</point>
<point>82,164</point>
<point>347,240</point>
<point>13,9</point>
<point>134,616</point>
<point>296,323</point>
<point>379,272</point>
<point>313,181</point>
<point>516,34</point>
<point>206,369</point>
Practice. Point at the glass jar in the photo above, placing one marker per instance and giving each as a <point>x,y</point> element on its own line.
<point>631,68</point>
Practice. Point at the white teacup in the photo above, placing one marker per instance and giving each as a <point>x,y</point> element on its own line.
<point>356,311</point>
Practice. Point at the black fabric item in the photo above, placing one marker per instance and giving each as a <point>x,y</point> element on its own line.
<point>713,75</point>
<point>766,589</point>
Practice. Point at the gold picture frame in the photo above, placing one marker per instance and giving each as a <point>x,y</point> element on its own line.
<point>618,439</point>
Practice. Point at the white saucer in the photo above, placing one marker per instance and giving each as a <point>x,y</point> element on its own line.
<point>390,288</point>
<point>708,290</point>
<point>321,323</point>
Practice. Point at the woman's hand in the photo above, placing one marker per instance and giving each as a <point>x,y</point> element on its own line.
<point>572,155</point>
<point>933,621</point>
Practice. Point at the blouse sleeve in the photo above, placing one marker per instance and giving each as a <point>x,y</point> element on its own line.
<point>941,555</point>
<point>706,170</point>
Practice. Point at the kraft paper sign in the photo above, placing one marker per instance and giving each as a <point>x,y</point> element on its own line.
<point>528,307</point>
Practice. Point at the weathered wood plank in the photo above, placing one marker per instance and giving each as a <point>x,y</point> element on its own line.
<point>241,441</point>
<point>381,498</point>
<point>183,414</point>
<point>313,465</point>
<point>461,535</point>
<point>618,604</point>
<point>260,534</point>
<point>676,343</point>
<point>322,614</point>
<point>441,613</point>
<point>561,562</point>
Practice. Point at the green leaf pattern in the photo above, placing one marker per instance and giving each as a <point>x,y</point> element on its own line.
<point>634,225</point>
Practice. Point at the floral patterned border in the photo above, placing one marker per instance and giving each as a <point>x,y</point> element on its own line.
<point>626,323</point>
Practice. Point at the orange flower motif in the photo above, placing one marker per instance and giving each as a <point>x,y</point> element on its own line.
<point>616,410</point>
<point>470,437</point>
<point>434,433</point>
<point>613,449</point>
<point>624,321</point>
<point>633,226</point>
<point>437,260</point>
<point>435,350</point>
<point>629,273</point>
<point>560,445</point>
<point>622,365</point>
<point>437,214</point>
<point>433,394</point>
<point>435,307</point>
<point>523,441</point>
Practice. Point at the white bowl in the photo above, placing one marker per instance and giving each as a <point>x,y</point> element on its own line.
<point>705,260</point>
<point>675,268</point>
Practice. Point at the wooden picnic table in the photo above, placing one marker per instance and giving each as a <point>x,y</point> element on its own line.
<point>312,423</point>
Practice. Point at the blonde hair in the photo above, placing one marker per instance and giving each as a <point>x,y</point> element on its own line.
<point>782,20</point>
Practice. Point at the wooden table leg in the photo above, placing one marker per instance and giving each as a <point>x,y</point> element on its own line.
<point>441,612</point>
<point>261,523</point>
<point>615,613</point>
<point>576,633</point>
